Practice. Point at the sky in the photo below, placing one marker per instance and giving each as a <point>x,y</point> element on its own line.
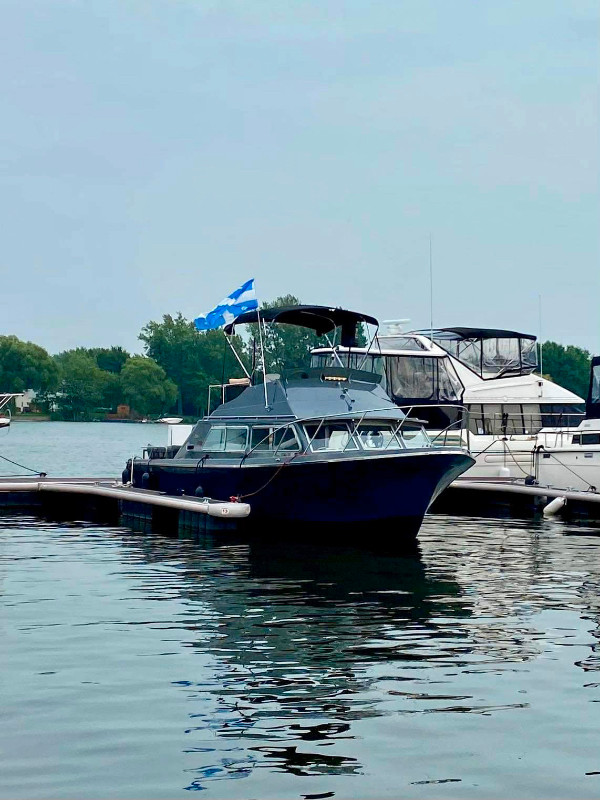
<point>155,154</point>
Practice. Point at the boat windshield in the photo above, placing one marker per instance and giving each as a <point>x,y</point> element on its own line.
<point>370,435</point>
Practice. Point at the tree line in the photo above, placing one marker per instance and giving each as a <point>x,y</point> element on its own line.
<point>178,365</point>
<point>172,375</point>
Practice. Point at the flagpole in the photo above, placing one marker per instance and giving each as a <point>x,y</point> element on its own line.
<point>262,354</point>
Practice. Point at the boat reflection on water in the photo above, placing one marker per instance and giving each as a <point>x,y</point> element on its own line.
<point>302,649</point>
<point>294,633</point>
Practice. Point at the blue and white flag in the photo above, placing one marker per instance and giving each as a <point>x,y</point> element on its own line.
<point>239,301</point>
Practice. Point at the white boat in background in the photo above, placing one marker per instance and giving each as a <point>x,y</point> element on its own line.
<point>570,458</point>
<point>490,372</point>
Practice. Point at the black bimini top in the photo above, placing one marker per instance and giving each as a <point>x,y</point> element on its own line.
<point>321,319</point>
<point>474,333</point>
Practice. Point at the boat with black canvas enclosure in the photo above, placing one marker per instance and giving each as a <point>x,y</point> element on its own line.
<point>315,446</point>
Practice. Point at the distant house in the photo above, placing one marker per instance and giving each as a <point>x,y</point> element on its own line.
<point>25,401</point>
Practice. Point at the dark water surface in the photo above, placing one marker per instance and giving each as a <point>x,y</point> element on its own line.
<point>134,665</point>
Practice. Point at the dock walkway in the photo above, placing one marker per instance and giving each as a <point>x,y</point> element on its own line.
<point>111,499</point>
<point>510,497</point>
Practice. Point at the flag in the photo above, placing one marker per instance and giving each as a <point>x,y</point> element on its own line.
<point>239,301</point>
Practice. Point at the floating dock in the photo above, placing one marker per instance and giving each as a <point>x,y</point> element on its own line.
<point>502,497</point>
<point>107,499</point>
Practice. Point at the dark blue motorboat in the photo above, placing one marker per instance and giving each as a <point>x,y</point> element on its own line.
<point>314,446</point>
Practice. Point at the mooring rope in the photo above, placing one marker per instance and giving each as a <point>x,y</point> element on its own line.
<point>264,486</point>
<point>591,486</point>
<point>16,463</point>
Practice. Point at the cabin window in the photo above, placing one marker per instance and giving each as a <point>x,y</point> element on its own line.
<point>269,438</point>
<point>576,439</point>
<point>261,438</point>
<point>450,386</point>
<point>422,379</point>
<point>411,377</point>
<point>590,438</point>
<point>492,419</point>
<point>559,415</point>
<point>475,418</point>
<point>512,419</point>
<point>532,419</point>
<point>286,439</point>
<point>378,436</point>
<point>353,360</point>
<point>330,436</point>
<point>508,419</point>
<point>226,439</point>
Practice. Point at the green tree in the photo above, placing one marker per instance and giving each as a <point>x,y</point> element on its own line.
<point>146,386</point>
<point>569,366</point>
<point>110,359</point>
<point>112,391</point>
<point>192,360</point>
<point>24,365</point>
<point>81,386</point>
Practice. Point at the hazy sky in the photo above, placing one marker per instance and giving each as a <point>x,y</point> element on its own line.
<point>157,153</point>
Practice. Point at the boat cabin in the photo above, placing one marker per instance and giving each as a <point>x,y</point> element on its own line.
<point>316,410</point>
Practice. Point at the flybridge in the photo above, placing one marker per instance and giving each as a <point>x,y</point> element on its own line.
<point>489,352</point>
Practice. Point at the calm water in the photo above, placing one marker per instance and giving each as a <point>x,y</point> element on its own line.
<point>136,665</point>
<point>65,449</point>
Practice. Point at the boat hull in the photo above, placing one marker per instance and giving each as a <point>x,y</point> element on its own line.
<point>390,488</point>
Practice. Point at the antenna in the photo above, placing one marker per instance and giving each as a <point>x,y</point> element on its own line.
<point>540,334</point>
<point>431,286</point>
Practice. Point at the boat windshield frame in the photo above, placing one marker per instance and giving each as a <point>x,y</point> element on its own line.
<point>445,438</point>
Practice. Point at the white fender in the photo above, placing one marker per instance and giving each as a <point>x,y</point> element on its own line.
<point>554,506</point>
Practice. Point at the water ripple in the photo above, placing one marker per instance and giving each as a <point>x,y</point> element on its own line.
<point>147,666</point>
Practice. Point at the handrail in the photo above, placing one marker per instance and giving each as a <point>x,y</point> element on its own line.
<point>500,421</point>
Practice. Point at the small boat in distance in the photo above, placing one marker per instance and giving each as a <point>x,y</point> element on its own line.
<point>5,398</point>
<point>315,446</point>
